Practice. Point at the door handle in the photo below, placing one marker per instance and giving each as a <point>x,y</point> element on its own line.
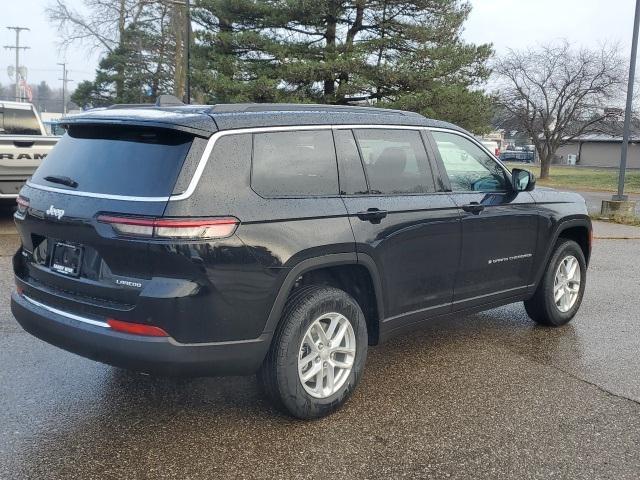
<point>473,207</point>
<point>373,215</point>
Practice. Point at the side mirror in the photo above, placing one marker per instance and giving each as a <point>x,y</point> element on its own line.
<point>522,180</point>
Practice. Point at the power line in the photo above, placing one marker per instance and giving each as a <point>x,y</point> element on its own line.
<point>17,48</point>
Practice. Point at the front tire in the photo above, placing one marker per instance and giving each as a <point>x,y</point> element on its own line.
<point>559,294</point>
<point>318,353</point>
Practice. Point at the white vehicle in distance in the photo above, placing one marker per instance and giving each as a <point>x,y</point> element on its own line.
<point>492,147</point>
<point>23,144</point>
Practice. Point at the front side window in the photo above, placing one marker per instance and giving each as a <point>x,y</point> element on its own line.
<point>469,168</point>
<point>294,164</point>
<point>395,161</point>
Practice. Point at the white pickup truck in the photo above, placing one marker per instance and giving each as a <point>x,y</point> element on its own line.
<point>23,144</point>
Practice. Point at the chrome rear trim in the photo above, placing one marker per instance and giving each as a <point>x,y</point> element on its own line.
<point>62,313</point>
<point>124,198</point>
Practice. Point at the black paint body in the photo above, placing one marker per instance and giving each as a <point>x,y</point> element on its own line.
<point>220,301</point>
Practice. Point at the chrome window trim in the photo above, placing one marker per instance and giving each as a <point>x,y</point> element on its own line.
<point>62,313</point>
<point>8,195</point>
<point>204,159</point>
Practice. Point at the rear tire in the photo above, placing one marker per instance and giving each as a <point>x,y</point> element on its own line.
<point>559,294</point>
<point>298,338</point>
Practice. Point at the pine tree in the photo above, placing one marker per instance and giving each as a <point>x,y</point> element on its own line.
<point>394,53</point>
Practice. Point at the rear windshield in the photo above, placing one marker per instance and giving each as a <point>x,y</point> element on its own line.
<point>131,161</point>
<point>19,121</point>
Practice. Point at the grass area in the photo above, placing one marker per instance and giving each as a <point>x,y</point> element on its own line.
<point>584,178</point>
<point>624,220</point>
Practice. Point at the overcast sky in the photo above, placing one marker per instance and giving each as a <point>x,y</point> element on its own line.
<point>505,23</point>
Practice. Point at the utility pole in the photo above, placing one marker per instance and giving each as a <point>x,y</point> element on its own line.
<point>65,80</point>
<point>17,48</point>
<point>187,45</point>
<point>188,79</point>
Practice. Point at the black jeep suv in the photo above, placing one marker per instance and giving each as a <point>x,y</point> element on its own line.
<point>280,239</point>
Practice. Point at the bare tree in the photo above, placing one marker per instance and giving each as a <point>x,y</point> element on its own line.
<point>107,26</point>
<point>556,92</point>
<point>103,25</point>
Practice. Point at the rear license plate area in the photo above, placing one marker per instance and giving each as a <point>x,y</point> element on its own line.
<point>66,259</point>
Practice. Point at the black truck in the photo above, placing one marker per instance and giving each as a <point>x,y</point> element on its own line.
<point>281,240</point>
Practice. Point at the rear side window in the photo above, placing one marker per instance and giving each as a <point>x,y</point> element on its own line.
<point>294,164</point>
<point>19,121</point>
<point>130,161</point>
<point>395,160</point>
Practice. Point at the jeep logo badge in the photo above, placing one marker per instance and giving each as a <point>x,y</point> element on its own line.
<point>55,212</point>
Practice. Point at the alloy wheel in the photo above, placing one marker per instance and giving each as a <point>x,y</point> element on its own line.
<point>566,285</point>
<point>327,354</point>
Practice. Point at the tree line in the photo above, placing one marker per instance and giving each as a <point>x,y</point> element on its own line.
<point>391,53</point>
<point>388,53</point>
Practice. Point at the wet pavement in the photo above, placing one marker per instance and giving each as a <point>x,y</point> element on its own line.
<point>486,396</point>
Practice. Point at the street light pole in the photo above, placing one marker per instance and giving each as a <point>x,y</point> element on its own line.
<point>621,197</point>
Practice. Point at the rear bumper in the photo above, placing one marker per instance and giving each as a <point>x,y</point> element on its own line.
<point>158,355</point>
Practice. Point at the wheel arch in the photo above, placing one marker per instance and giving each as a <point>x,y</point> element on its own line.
<point>355,274</point>
<point>576,229</point>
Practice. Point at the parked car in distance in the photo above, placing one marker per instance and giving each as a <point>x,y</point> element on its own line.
<point>282,240</point>
<point>518,154</point>
<point>23,145</point>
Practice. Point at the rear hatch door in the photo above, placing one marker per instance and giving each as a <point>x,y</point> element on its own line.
<point>96,170</point>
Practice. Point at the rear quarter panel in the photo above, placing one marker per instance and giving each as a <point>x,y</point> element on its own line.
<point>244,273</point>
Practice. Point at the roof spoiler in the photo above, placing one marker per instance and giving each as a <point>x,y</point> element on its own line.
<point>161,101</point>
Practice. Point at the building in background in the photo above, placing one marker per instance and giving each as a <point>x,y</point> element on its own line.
<point>599,150</point>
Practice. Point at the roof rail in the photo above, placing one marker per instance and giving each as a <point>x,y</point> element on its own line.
<point>303,107</point>
<point>161,101</point>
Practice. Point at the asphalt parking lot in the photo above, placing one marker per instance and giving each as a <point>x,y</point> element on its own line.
<point>486,396</point>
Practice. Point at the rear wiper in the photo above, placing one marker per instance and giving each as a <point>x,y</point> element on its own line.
<point>69,182</point>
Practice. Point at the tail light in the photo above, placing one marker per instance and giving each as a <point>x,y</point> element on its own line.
<point>23,204</point>
<point>136,328</point>
<point>191,229</point>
